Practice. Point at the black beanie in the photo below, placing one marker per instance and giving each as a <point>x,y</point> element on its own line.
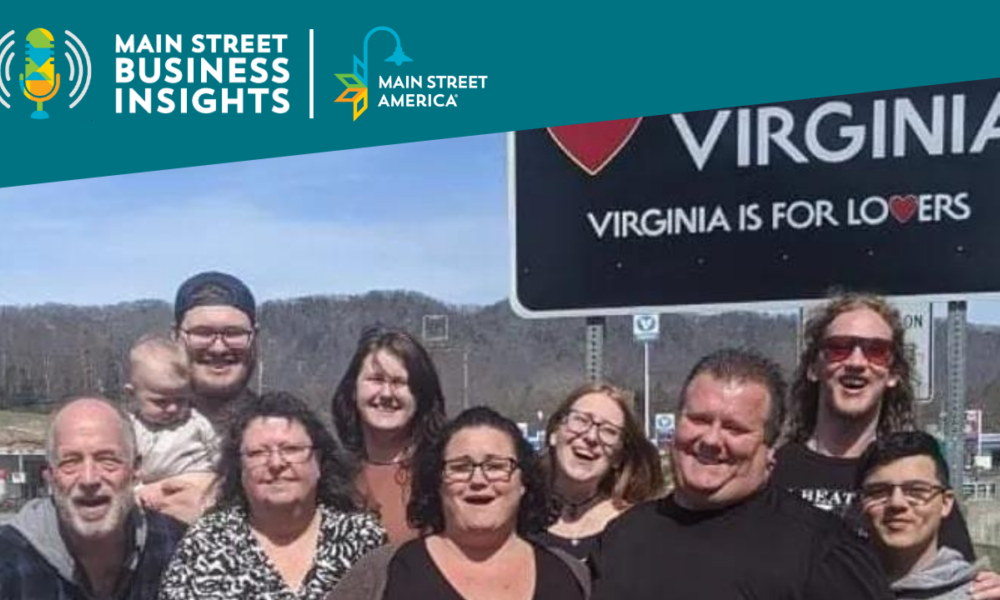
<point>212,288</point>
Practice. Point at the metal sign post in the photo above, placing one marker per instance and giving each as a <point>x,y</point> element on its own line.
<point>954,411</point>
<point>645,383</point>
<point>594,362</point>
<point>646,329</point>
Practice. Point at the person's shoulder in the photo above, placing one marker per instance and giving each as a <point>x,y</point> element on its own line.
<point>367,578</point>
<point>637,517</point>
<point>217,520</point>
<point>199,420</point>
<point>791,450</point>
<point>164,525</point>
<point>790,506</point>
<point>797,515</point>
<point>12,542</point>
<point>140,427</point>
<point>360,526</point>
<point>575,566</point>
<point>351,519</point>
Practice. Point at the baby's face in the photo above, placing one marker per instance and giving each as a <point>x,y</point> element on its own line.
<point>163,398</point>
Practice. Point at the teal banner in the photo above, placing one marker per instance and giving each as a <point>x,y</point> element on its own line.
<point>97,89</point>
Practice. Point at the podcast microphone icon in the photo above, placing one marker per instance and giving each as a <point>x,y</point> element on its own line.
<point>39,82</point>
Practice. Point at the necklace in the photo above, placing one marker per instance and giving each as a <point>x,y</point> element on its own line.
<point>573,509</point>
<point>400,458</point>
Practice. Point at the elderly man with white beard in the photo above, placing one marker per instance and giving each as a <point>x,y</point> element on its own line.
<point>89,540</point>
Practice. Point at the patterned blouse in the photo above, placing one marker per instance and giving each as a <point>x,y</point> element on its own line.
<point>220,558</point>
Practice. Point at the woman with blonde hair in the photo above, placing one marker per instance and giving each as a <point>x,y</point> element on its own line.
<point>599,463</point>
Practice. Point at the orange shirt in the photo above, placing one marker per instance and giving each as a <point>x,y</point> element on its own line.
<point>386,490</point>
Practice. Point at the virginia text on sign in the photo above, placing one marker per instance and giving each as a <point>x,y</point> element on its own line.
<point>894,192</point>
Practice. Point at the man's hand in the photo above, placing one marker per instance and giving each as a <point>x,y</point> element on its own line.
<point>183,497</point>
<point>986,586</point>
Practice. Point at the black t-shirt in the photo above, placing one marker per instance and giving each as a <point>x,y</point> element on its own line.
<point>830,483</point>
<point>413,575</point>
<point>773,546</point>
<point>580,547</point>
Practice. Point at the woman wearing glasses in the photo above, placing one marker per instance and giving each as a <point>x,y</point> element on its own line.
<point>286,524</point>
<point>598,463</point>
<point>388,402</point>
<point>479,493</point>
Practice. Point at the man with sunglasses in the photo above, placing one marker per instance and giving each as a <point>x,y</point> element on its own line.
<point>905,496</point>
<point>853,385</point>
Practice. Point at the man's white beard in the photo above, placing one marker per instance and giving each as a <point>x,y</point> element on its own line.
<point>112,520</point>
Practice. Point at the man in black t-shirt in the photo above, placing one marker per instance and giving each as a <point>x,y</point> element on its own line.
<point>853,383</point>
<point>725,533</point>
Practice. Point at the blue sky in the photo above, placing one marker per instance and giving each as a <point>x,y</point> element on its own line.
<point>430,217</point>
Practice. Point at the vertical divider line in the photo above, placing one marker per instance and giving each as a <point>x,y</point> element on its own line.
<point>312,89</point>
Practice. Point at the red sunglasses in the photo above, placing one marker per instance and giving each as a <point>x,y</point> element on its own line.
<point>838,348</point>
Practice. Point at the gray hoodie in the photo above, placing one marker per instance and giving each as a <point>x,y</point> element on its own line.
<point>38,523</point>
<point>945,578</point>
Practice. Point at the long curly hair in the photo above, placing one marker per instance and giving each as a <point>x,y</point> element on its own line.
<point>336,470</point>
<point>425,511</point>
<point>636,474</point>
<point>423,380</point>
<point>896,412</point>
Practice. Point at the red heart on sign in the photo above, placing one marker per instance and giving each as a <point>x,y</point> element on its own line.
<point>903,207</point>
<point>592,146</point>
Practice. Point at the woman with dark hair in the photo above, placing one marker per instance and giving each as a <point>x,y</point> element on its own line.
<point>478,493</point>
<point>286,524</point>
<point>598,463</point>
<point>387,404</point>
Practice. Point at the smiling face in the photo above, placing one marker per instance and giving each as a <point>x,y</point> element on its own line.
<point>587,443</point>
<point>92,470</point>
<point>851,388</point>
<point>384,400</point>
<point>719,456</point>
<point>901,524</point>
<point>279,467</point>
<point>219,370</point>
<point>487,502</point>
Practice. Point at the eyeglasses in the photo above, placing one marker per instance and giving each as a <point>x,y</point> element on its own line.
<point>494,468</point>
<point>292,454</point>
<point>579,423</point>
<point>838,348</point>
<point>235,338</point>
<point>916,493</point>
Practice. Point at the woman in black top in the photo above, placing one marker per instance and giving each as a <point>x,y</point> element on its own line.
<point>598,462</point>
<point>478,492</point>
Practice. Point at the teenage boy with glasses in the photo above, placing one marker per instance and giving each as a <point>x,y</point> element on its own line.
<point>905,496</point>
